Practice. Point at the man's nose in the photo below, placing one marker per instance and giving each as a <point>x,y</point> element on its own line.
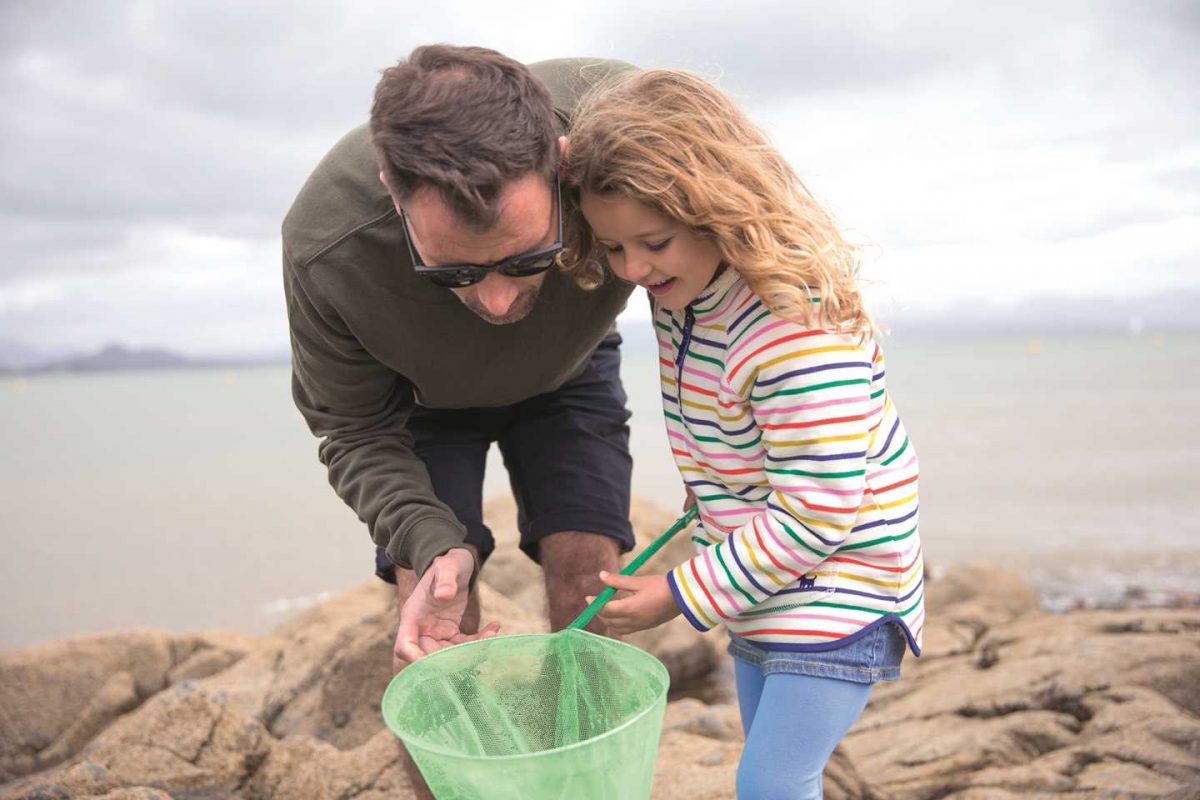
<point>497,293</point>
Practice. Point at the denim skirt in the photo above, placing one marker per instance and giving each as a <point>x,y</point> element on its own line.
<point>871,655</point>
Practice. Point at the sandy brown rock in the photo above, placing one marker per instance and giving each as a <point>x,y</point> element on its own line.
<point>1091,703</point>
<point>1008,702</point>
<point>699,752</point>
<point>301,768</point>
<point>969,599</point>
<point>323,674</point>
<point>183,739</point>
<point>55,697</point>
<point>137,793</point>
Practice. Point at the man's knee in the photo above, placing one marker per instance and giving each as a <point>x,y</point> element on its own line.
<point>571,562</point>
<point>571,554</point>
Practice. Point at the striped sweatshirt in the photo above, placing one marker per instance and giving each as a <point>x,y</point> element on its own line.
<point>805,480</point>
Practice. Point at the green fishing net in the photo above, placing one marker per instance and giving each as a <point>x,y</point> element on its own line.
<point>547,716</point>
<point>567,715</point>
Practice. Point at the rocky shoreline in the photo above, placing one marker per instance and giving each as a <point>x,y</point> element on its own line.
<point>1007,701</point>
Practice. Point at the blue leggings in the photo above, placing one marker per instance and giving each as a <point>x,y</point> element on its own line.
<point>792,723</point>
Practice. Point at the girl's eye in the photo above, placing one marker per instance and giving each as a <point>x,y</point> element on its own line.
<point>612,248</point>
<point>657,246</point>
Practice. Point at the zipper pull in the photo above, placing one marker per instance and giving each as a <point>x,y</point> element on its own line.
<point>689,319</point>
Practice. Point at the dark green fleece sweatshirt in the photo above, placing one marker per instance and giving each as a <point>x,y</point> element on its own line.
<point>371,338</point>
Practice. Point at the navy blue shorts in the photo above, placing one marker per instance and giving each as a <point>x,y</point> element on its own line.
<point>566,452</point>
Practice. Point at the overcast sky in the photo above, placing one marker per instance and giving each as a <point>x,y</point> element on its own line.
<point>149,150</point>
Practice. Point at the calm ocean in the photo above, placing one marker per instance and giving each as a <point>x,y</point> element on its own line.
<point>192,500</point>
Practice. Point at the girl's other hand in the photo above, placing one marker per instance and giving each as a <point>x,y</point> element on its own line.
<point>644,602</point>
<point>690,500</point>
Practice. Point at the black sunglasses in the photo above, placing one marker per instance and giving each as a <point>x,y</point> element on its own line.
<point>522,265</point>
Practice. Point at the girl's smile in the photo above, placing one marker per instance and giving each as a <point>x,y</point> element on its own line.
<point>661,288</point>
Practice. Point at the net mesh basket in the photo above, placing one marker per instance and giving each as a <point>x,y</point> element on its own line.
<point>560,715</point>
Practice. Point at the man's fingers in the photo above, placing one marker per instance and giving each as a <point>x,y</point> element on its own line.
<point>440,629</point>
<point>487,633</point>
<point>406,635</point>
<point>429,641</point>
<point>431,645</point>
<point>450,573</point>
<point>445,585</point>
<point>407,649</point>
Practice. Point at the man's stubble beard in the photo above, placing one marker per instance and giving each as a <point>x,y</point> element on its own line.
<point>520,309</point>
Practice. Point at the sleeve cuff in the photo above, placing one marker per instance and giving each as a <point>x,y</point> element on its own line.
<point>424,541</point>
<point>682,603</point>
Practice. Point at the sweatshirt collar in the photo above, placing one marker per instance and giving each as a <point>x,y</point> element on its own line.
<point>715,292</point>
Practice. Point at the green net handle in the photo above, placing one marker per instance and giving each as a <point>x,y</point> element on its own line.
<point>632,567</point>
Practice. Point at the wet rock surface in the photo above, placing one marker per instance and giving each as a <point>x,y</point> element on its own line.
<point>1008,701</point>
<point>1012,702</point>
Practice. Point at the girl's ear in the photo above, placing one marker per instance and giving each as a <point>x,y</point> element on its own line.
<point>562,157</point>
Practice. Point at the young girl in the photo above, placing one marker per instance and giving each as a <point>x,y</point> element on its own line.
<point>776,409</point>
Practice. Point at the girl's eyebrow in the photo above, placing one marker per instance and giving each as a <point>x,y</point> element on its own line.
<point>643,235</point>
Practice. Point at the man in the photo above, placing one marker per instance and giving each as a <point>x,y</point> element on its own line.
<point>427,321</point>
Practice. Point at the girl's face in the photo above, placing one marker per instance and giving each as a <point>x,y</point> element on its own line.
<point>647,248</point>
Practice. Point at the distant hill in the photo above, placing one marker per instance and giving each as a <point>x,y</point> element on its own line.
<point>16,354</point>
<point>120,357</point>
<point>1050,315</point>
<point>1038,316</point>
<point>115,356</point>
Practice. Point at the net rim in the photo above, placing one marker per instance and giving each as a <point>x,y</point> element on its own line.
<point>398,679</point>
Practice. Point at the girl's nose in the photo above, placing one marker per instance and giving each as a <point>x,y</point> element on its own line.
<point>636,269</point>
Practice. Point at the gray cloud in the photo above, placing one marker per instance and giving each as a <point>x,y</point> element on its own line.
<point>131,126</point>
<point>790,49</point>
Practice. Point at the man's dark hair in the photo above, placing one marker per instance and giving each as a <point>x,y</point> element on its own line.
<point>463,121</point>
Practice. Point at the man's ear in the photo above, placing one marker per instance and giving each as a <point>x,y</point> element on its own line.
<point>391,194</point>
<point>563,142</point>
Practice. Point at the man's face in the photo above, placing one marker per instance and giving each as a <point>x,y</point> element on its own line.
<point>526,222</point>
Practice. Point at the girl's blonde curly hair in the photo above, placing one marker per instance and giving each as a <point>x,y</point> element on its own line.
<point>678,144</point>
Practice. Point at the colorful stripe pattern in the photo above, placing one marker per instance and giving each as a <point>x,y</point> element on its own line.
<point>805,478</point>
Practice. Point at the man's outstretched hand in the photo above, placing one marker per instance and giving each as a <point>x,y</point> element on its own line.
<point>432,617</point>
